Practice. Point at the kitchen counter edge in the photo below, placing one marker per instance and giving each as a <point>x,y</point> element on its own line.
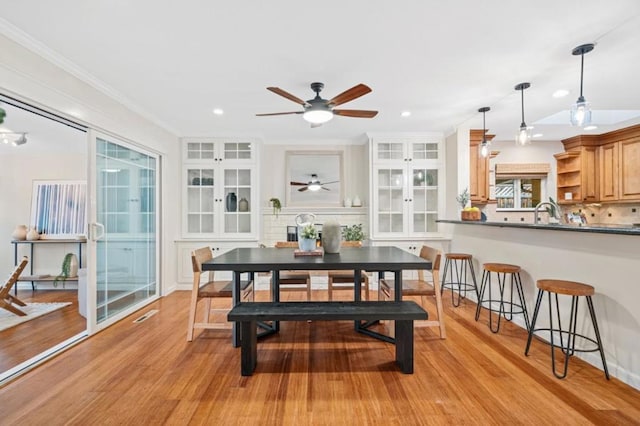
<point>571,228</point>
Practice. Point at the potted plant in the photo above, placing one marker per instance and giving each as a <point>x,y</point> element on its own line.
<point>275,203</point>
<point>353,233</point>
<point>554,211</point>
<point>463,198</point>
<point>69,269</point>
<point>308,237</point>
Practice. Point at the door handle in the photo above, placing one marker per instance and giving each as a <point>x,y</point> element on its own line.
<point>93,235</point>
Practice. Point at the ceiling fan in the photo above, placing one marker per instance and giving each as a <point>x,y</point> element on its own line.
<point>318,110</point>
<point>313,185</point>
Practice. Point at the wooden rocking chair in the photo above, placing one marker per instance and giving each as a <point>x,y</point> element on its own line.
<point>6,299</point>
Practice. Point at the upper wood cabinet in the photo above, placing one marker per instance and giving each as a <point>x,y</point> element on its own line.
<point>617,175</point>
<point>629,160</point>
<point>478,169</point>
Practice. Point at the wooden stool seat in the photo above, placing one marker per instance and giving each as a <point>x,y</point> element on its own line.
<point>458,256</point>
<point>503,268</point>
<point>570,288</point>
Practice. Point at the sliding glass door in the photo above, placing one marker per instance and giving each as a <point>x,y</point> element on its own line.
<point>123,232</point>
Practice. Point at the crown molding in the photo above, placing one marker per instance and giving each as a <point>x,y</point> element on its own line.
<point>28,42</point>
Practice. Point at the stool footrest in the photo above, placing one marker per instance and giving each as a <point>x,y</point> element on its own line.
<point>568,334</point>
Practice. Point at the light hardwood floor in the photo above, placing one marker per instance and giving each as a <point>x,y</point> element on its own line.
<point>311,373</point>
<point>26,340</point>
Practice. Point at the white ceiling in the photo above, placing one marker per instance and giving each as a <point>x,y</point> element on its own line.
<point>440,60</point>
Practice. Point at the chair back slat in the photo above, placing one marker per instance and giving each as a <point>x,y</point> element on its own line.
<point>13,278</point>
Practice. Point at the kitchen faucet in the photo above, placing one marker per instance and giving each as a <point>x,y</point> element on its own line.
<point>544,203</point>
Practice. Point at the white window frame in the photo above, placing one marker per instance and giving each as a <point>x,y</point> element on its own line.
<point>517,193</point>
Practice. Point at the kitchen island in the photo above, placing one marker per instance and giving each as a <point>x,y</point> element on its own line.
<point>603,256</point>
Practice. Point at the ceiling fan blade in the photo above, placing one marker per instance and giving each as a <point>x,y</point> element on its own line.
<point>327,183</point>
<point>314,125</point>
<point>326,189</point>
<point>299,183</point>
<point>303,189</point>
<point>279,113</point>
<point>284,94</point>
<point>350,94</point>
<point>358,113</point>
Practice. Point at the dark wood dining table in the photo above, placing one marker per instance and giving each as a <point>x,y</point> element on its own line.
<point>371,259</point>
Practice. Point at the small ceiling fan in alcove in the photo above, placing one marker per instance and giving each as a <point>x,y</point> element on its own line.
<point>313,185</point>
<point>318,110</point>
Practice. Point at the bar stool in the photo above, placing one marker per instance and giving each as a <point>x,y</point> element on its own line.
<point>575,290</point>
<point>501,270</point>
<point>458,262</point>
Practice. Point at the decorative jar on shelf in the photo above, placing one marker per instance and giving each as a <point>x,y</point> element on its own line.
<point>243,205</point>
<point>20,233</point>
<point>33,235</point>
<point>356,202</point>
<point>231,202</point>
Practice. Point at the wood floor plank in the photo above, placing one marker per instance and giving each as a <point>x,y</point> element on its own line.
<point>311,373</point>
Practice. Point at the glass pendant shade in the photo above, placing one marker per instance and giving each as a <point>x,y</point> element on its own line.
<point>484,149</point>
<point>484,145</point>
<point>523,137</point>
<point>580,113</point>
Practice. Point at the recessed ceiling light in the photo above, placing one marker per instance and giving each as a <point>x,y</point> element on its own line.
<point>538,135</point>
<point>405,113</point>
<point>560,93</point>
<point>591,127</point>
<point>218,111</point>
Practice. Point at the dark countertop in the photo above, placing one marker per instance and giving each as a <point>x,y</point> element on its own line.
<point>592,228</point>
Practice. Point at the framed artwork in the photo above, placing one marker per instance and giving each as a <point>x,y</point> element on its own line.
<point>59,208</point>
<point>314,178</point>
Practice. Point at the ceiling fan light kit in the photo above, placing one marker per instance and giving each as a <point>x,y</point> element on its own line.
<point>580,114</point>
<point>318,110</point>
<point>523,137</point>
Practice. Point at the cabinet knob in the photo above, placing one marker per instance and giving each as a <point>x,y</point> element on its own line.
<point>410,199</point>
<point>405,200</point>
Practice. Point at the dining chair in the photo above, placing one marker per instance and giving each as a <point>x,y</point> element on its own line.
<point>343,279</point>
<point>293,280</point>
<point>421,287</point>
<point>7,301</point>
<point>212,289</point>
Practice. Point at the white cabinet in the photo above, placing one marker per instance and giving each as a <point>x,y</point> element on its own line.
<point>220,188</point>
<point>407,186</point>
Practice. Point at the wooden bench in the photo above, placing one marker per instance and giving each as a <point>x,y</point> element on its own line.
<point>404,313</point>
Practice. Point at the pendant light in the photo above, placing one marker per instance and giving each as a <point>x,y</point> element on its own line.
<point>580,111</point>
<point>524,134</point>
<point>484,145</point>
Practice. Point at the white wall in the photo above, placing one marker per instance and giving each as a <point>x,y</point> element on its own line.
<point>28,76</point>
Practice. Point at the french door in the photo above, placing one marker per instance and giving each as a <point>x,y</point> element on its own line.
<point>123,230</point>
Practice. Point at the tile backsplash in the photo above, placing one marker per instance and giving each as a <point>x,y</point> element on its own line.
<point>622,214</point>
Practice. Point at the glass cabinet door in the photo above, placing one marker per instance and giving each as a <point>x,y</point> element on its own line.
<point>389,151</point>
<point>424,200</point>
<point>390,203</point>
<point>238,201</point>
<point>200,184</point>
